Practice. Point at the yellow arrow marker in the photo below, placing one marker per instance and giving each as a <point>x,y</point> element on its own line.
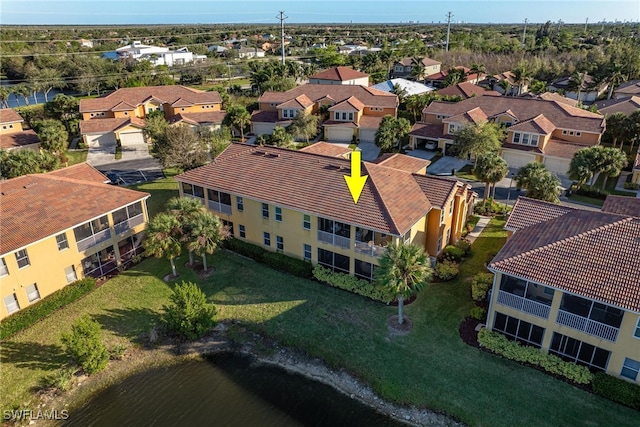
<point>355,182</point>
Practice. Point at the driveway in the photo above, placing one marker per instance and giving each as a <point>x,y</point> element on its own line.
<point>136,164</point>
<point>445,165</point>
<point>370,151</point>
<point>422,154</point>
<point>97,156</point>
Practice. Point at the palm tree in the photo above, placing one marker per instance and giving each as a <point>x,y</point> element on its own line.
<point>404,270</point>
<point>490,168</point>
<point>237,116</point>
<point>521,77</point>
<point>478,69</point>
<point>454,76</point>
<point>576,83</point>
<point>161,239</point>
<point>23,91</point>
<point>418,69</point>
<point>615,78</point>
<point>206,233</point>
<point>539,182</point>
<point>4,97</point>
<point>504,85</point>
<point>185,209</point>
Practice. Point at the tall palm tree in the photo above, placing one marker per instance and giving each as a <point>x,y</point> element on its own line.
<point>504,85</point>
<point>490,168</point>
<point>206,233</point>
<point>418,69</point>
<point>576,83</point>
<point>521,77</point>
<point>4,97</point>
<point>185,209</point>
<point>23,91</point>
<point>237,116</point>
<point>161,239</point>
<point>478,69</point>
<point>404,270</point>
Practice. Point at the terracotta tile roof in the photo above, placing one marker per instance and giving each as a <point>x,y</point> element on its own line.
<point>562,116</point>
<point>33,207</point>
<point>9,141</point>
<point>327,149</point>
<point>108,125</point>
<point>521,147</point>
<point>466,90</point>
<point>622,205</point>
<point>555,96</point>
<point>475,115</point>
<point>438,190</point>
<point>527,212</point>
<point>579,252</point>
<point>350,104</point>
<point>427,62</point>
<point>197,119</point>
<point>560,148</point>
<point>81,171</point>
<point>507,75</point>
<point>339,124</point>
<point>539,124</point>
<point>402,162</point>
<point>370,97</point>
<point>174,95</point>
<point>369,122</point>
<point>301,101</point>
<point>625,105</point>
<point>392,200</point>
<point>427,130</point>
<point>260,116</point>
<point>8,115</point>
<point>629,88</point>
<point>339,74</point>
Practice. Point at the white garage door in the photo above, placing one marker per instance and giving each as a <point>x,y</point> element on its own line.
<point>339,134</point>
<point>103,140</point>
<point>263,128</point>
<point>557,165</point>
<point>367,135</point>
<point>517,159</point>
<point>131,138</point>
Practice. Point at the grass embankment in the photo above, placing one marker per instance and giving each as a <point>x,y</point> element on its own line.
<point>76,156</point>
<point>430,367</point>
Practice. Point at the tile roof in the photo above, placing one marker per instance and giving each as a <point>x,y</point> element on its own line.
<point>466,90</point>
<point>350,104</point>
<point>427,62</point>
<point>391,201</point>
<point>507,75</point>
<point>579,252</point>
<point>527,212</point>
<point>539,124</point>
<point>9,115</point>
<point>108,125</point>
<point>339,74</point>
<point>629,88</point>
<point>626,105</point>
<point>33,207</point>
<point>327,149</point>
<point>214,117</point>
<point>560,148</point>
<point>82,171</point>
<point>369,122</point>
<point>18,139</point>
<point>368,96</point>
<point>301,101</point>
<point>174,95</point>
<point>427,130</point>
<point>561,115</point>
<point>260,116</point>
<point>439,190</point>
<point>475,115</point>
<point>402,162</point>
<point>622,205</point>
<point>555,96</point>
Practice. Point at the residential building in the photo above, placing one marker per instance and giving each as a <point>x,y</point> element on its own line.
<point>590,90</point>
<point>438,80</point>
<point>314,217</point>
<point>354,111</point>
<point>622,205</point>
<point>120,114</point>
<point>548,132</point>
<point>340,76</point>
<point>568,282</point>
<point>555,96</point>
<point>157,55</point>
<point>630,88</point>
<point>62,226</point>
<point>466,90</point>
<point>494,83</point>
<point>12,136</point>
<point>409,87</point>
<point>404,68</point>
<point>635,177</point>
<point>248,52</point>
<point>626,105</point>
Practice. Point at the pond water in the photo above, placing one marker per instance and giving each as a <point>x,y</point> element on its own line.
<point>223,390</point>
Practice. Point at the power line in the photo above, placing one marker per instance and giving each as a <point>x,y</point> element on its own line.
<point>449,16</point>
<point>282,17</point>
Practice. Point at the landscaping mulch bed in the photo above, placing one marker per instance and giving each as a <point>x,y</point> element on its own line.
<point>468,332</point>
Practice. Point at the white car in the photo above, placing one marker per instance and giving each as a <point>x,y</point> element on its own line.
<point>430,145</point>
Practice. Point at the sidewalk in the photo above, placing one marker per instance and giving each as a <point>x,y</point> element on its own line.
<point>482,223</point>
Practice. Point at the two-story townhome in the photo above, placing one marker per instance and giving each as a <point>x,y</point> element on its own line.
<point>354,111</point>
<point>568,282</point>
<point>314,217</point>
<point>589,91</point>
<point>12,136</point>
<point>62,226</point>
<point>466,90</point>
<point>121,113</point>
<point>340,76</point>
<point>438,79</point>
<point>548,132</point>
<point>630,88</point>
<point>404,68</point>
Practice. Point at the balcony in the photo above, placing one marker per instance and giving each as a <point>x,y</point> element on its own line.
<point>220,207</point>
<point>333,239</point>
<point>93,240</point>
<point>524,304</point>
<point>587,326</point>
<point>368,248</point>
<point>123,226</point>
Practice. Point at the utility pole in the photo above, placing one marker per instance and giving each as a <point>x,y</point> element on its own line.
<point>449,16</point>
<point>524,32</point>
<point>585,25</point>
<point>282,17</point>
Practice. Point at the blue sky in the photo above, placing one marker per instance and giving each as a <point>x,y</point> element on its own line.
<point>301,11</point>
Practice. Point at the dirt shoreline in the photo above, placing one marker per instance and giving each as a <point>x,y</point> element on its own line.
<point>261,350</point>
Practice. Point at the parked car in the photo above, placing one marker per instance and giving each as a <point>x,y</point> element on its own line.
<point>431,145</point>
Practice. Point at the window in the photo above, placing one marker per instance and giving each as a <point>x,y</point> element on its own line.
<point>448,236</point>
<point>265,211</point>
<point>573,350</point>
<point>219,201</point>
<point>364,270</point>
<point>240,203</point>
<point>279,243</point>
<point>525,139</point>
<point>439,244</point>
<point>519,330</point>
<point>22,258</point>
<point>451,207</point>
<point>242,231</point>
<point>306,222</point>
<point>92,233</point>
<point>100,263</point>
<point>635,334</point>
<point>307,252</point>
<point>442,216</point>
<point>333,261</point>
<point>32,293</point>
<point>70,272</point>
<point>630,369</point>
<point>3,268</point>
<point>266,237</point>
<point>578,133</point>
<point>453,128</point>
<point>278,214</point>
<point>11,302</point>
<point>592,310</point>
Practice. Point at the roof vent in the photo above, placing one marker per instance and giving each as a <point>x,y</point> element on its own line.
<point>259,153</point>
<point>332,167</point>
<point>271,155</point>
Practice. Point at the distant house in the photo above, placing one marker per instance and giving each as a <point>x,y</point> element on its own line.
<point>630,88</point>
<point>494,83</point>
<point>466,90</point>
<point>12,136</point>
<point>438,79</point>
<point>404,68</point>
<point>217,49</point>
<point>86,43</point>
<point>248,52</point>
<point>626,105</point>
<point>410,87</point>
<point>340,76</point>
<point>555,96</point>
<point>589,92</point>
<point>158,55</point>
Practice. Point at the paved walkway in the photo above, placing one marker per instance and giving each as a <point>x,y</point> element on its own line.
<point>482,223</point>
<point>445,165</point>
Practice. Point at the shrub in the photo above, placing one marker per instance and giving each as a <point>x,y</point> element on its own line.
<point>464,245</point>
<point>33,313</point>
<point>618,390</point>
<point>85,346</point>
<point>60,379</point>
<point>189,315</point>
<point>480,286</point>
<point>478,313</point>
<point>631,186</point>
<point>453,253</point>
<point>351,284</point>
<point>446,270</point>
<point>117,352</point>
<point>590,191</point>
<point>275,260</point>
<point>488,208</point>
<point>512,350</point>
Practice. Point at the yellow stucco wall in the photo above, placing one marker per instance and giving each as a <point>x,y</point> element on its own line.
<point>107,115</point>
<point>636,177</point>
<point>11,128</point>
<point>385,112</point>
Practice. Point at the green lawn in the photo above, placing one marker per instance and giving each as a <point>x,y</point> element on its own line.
<point>160,190</point>
<point>430,367</point>
<point>586,199</point>
<point>76,156</point>
<point>466,172</point>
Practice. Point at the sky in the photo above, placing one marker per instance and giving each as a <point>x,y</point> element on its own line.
<point>94,12</point>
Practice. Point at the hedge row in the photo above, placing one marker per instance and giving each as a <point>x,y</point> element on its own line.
<point>351,284</point>
<point>618,390</point>
<point>275,260</point>
<point>501,345</point>
<point>33,313</point>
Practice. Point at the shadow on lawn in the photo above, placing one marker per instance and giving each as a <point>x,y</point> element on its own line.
<point>31,355</point>
<point>131,323</point>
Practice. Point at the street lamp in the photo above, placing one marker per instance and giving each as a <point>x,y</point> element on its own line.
<point>506,206</point>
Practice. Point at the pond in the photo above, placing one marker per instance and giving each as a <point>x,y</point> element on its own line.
<point>225,390</point>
